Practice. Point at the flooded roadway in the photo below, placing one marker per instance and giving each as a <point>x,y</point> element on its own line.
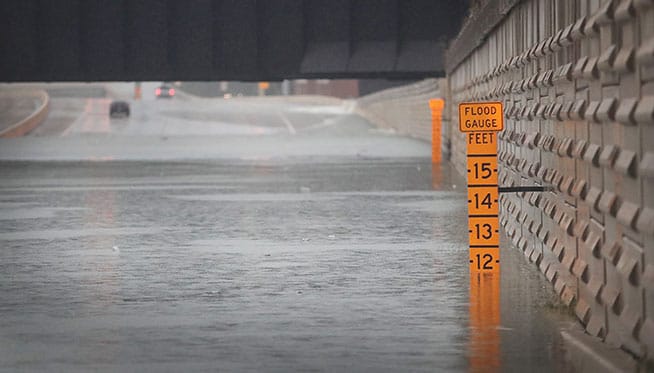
<point>338,249</point>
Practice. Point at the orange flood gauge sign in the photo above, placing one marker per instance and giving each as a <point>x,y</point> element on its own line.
<point>481,116</point>
<point>480,123</point>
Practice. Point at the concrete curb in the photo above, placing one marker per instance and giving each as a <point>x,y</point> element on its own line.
<point>404,110</point>
<point>588,354</point>
<point>32,121</point>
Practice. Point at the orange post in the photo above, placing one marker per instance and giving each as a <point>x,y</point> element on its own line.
<point>436,105</point>
<point>137,91</point>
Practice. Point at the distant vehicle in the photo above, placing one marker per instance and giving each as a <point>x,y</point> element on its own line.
<point>118,109</point>
<point>164,91</point>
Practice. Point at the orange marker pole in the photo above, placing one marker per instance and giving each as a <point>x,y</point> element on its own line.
<point>137,91</point>
<point>436,105</point>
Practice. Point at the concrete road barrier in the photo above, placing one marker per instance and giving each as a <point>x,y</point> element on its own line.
<point>405,110</point>
<point>26,125</point>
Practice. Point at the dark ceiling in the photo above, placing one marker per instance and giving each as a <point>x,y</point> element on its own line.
<point>253,40</point>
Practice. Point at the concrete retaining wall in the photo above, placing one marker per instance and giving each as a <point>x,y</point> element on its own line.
<point>33,120</point>
<point>406,110</point>
<point>577,82</point>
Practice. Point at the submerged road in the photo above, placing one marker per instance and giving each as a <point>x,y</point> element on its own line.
<point>272,235</point>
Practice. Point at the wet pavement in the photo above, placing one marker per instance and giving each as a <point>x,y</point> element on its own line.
<point>304,259</point>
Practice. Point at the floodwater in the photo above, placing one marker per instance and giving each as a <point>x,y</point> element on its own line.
<point>248,235</point>
<point>245,266</point>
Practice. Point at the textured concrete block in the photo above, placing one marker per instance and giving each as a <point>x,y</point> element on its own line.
<point>595,286</point>
<point>580,189</point>
<point>568,260</point>
<point>533,169</point>
<point>566,185</point>
<point>624,61</point>
<point>608,203</point>
<point>578,70</point>
<point>578,110</point>
<point>591,27</point>
<point>536,257</point>
<point>627,214</point>
<point>558,249</point>
<point>535,199</point>
<point>590,70</point>
<point>533,109</point>
<point>611,251</point>
<point>607,59</point>
<point>606,110</point>
<point>541,112</point>
<point>645,221</point>
<point>625,112</point>
<point>557,179</point>
<point>582,310</point>
<point>567,223</point>
<point>592,243</point>
<point>610,295</point>
<point>630,318</point>
<point>555,112</point>
<point>604,15</point>
<point>580,229</point>
<point>577,29</point>
<point>579,149</point>
<point>565,73</point>
<point>550,274</point>
<point>591,111</point>
<point>645,55</point>
<point>580,269</point>
<point>625,163</point>
<point>592,197</point>
<point>646,334</point>
<point>608,155</point>
<point>625,11</point>
<point>629,264</point>
<point>648,281</point>
<point>565,148</point>
<point>592,153</point>
<point>644,112</point>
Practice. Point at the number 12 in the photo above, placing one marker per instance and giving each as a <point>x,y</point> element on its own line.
<point>488,260</point>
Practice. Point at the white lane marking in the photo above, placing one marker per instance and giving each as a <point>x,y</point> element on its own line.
<point>328,122</point>
<point>82,116</point>
<point>288,123</point>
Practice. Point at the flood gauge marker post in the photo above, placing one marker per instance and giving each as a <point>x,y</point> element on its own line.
<point>480,123</point>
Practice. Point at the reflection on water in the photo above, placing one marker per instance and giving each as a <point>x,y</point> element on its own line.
<point>436,176</point>
<point>484,348</point>
<point>102,269</point>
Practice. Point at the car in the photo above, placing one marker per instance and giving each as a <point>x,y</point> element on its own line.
<point>118,109</point>
<point>164,91</point>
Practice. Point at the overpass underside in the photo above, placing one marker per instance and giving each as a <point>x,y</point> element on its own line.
<point>99,40</point>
